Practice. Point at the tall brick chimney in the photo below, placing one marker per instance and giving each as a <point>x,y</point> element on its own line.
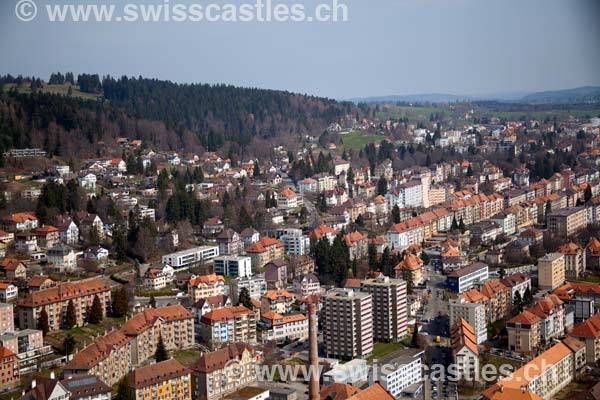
<point>313,353</point>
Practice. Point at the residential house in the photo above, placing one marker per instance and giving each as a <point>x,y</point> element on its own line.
<point>47,236</point>
<point>464,350</point>
<point>265,250</point>
<point>202,286</point>
<point>62,257</point>
<point>358,245</point>
<point>229,242</point>
<point>277,301</point>
<point>575,260</point>
<point>228,325</point>
<point>276,274</point>
<point>524,333</point>
<point>19,222</point>
<point>275,327</point>
<point>13,269</point>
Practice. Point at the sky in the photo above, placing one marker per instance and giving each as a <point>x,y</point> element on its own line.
<point>387,47</point>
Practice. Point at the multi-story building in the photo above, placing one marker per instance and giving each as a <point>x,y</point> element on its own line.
<point>277,301</point>
<point>174,324</point>
<point>551,271</point>
<point>234,266</point>
<point>56,299</point>
<point>108,357</point>
<point>473,313</point>
<point>7,318</point>
<point>466,278</point>
<point>389,307</point>
<point>229,242</point>
<point>588,332</point>
<point>551,312</point>
<point>256,286</point>
<point>9,369</point>
<point>414,264</point>
<point>498,296</point>
<point>401,372</point>
<point>276,273</point>
<point>307,285</point>
<point>358,245</point>
<point>19,222</point>
<point>8,292</point>
<point>582,296</point>
<point>406,195</point>
<point>228,325</point>
<point>348,324</point>
<point>464,350</point>
<point>188,258</point>
<point>566,222</point>
<point>516,283</point>
<point>265,250</point>
<point>27,344</point>
<point>224,371</point>
<point>575,260</point>
<point>524,333</point>
<point>166,380</point>
<point>155,279</point>
<point>62,257</point>
<point>295,243</point>
<point>46,236</point>
<point>13,269</point>
<point>287,199</point>
<point>279,328</point>
<point>202,286</point>
<point>544,376</point>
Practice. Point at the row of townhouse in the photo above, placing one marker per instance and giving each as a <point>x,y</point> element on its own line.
<point>114,355</point>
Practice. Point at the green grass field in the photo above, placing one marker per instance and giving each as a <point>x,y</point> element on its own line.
<point>358,140</point>
<point>381,350</point>
<point>58,89</point>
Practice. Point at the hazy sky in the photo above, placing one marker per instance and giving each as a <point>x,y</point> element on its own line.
<point>387,47</point>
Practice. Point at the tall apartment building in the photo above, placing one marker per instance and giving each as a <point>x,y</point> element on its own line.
<point>524,332</point>
<point>551,271</point>
<point>473,313</point>
<point>295,243</point>
<point>566,222</point>
<point>389,307</point>
<point>166,380</point>
<point>55,301</point>
<point>348,324</point>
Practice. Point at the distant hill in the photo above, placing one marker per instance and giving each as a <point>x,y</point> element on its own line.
<point>414,98</point>
<point>585,94</point>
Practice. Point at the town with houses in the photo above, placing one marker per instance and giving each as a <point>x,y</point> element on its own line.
<point>162,275</point>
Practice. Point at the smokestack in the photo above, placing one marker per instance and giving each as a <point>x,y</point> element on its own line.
<point>313,353</point>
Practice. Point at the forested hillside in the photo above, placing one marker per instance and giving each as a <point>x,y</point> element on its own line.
<point>165,115</point>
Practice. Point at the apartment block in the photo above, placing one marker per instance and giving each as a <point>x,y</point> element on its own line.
<point>234,266</point>
<point>228,325</point>
<point>166,380</point>
<point>568,221</point>
<point>256,286</point>
<point>56,299</point>
<point>524,333</point>
<point>348,324</point>
<point>575,260</point>
<point>473,313</point>
<point>202,286</point>
<point>187,258</point>
<point>466,278</point>
<point>551,271</point>
<point>389,307</point>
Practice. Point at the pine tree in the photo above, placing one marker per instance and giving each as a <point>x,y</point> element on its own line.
<point>527,297</point>
<point>256,170</point>
<point>152,301</point>
<point>415,336</point>
<point>461,226</point>
<point>43,323</point>
<point>161,351</point>
<point>96,314</point>
<point>71,319</point>
<point>69,344</point>
<point>396,214</point>
<point>408,277</point>
<point>518,302</point>
<point>119,302</point>
<point>382,186</point>
<point>123,391</point>
<point>245,299</point>
<point>372,255</point>
<point>245,218</point>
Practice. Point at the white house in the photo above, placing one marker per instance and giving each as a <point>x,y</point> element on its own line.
<point>88,182</point>
<point>63,257</point>
<point>96,253</point>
